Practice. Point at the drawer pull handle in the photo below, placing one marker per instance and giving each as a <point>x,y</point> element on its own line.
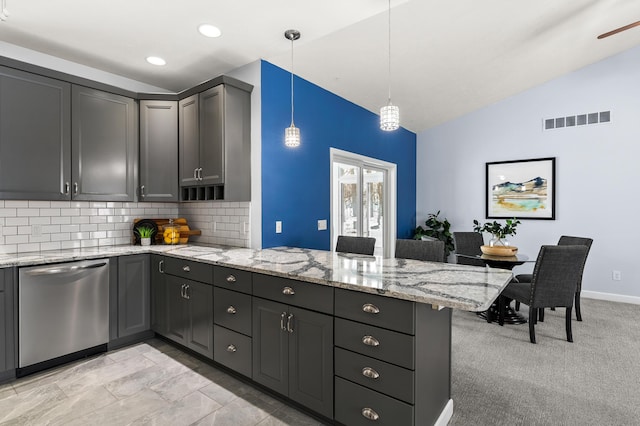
<point>231,310</point>
<point>370,373</point>
<point>370,309</point>
<point>231,348</point>
<point>161,266</point>
<point>370,341</point>
<point>288,291</point>
<point>231,279</point>
<point>186,268</point>
<point>370,414</point>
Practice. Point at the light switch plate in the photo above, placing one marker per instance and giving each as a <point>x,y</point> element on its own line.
<point>278,227</point>
<point>322,225</point>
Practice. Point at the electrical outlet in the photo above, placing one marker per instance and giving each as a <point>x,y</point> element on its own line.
<point>616,275</point>
<point>322,225</point>
<point>278,227</point>
<point>36,230</point>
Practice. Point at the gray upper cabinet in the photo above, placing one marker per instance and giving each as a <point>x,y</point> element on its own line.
<point>35,137</point>
<point>104,145</point>
<point>158,151</point>
<point>215,144</point>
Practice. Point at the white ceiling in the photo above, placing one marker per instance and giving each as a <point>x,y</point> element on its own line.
<point>448,57</point>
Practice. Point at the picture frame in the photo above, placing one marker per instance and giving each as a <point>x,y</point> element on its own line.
<point>524,189</point>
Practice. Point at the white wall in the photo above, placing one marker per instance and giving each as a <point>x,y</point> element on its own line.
<point>597,167</point>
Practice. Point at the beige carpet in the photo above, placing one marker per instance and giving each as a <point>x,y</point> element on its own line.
<point>499,378</point>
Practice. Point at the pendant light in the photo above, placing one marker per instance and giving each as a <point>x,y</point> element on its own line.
<point>389,114</point>
<point>292,133</point>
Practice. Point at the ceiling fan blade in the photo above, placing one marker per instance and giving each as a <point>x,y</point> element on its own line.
<point>617,30</point>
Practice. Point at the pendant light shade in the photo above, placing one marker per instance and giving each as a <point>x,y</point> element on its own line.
<point>389,114</point>
<point>292,133</point>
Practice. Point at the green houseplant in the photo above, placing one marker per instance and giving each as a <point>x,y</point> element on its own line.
<point>497,230</point>
<point>145,233</point>
<point>436,229</point>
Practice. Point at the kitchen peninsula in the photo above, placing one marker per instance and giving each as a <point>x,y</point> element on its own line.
<point>352,338</point>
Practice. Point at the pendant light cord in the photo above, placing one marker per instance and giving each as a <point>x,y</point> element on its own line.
<point>389,75</point>
<point>292,80</point>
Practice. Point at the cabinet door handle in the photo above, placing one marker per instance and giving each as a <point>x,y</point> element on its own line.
<point>75,188</point>
<point>370,309</point>
<point>282,317</point>
<point>142,194</point>
<point>370,341</point>
<point>187,291</point>
<point>231,348</point>
<point>288,291</point>
<point>186,268</point>
<point>66,187</point>
<point>231,310</point>
<point>289,328</point>
<point>370,414</point>
<point>231,279</point>
<point>182,291</point>
<point>195,173</point>
<point>200,173</point>
<point>161,266</point>
<point>370,373</point>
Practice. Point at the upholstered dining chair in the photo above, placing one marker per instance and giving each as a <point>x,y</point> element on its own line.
<point>564,240</point>
<point>356,245</point>
<point>553,284</point>
<point>420,250</point>
<point>468,243</point>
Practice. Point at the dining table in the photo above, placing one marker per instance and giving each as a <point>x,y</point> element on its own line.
<point>511,316</point>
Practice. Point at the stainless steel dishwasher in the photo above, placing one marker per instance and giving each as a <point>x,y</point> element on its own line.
<point>63,313</point>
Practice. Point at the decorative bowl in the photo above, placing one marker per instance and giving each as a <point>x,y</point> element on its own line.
<point>499,250</point>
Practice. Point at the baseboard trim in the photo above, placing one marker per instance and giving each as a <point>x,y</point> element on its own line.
<point>445,415</point>
<point>634,300</point>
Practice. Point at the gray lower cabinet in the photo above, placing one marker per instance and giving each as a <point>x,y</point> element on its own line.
<point>293,353</point>
<point>189,314</point>
<point>35,137</point>
<point>7,331</point>
<point>134,306</point>
<point>158,295</point>
<point>104,145</point>
<point>158,151</point>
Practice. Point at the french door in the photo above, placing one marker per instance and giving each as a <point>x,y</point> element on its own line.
<point>361,201</point>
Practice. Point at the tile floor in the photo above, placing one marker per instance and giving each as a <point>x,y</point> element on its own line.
<point>151,383</point>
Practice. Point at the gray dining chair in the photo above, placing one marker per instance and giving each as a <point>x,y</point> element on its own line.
<point>564,240</point>
<point>420,250</point>
<point>468,243</point>
<point>356,245</point>
<point>553,284</point>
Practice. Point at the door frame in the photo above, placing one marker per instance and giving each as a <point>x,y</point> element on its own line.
<point>390,199</point>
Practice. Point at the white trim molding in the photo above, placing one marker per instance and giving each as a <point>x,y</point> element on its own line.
<point>611,297</point>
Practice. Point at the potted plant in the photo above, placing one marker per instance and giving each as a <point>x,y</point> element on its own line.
<point>436,229</point>
<point>497,230</point>
<point>145,233</point>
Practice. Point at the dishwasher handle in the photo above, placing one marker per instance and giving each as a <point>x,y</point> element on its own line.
<point>64,269</point>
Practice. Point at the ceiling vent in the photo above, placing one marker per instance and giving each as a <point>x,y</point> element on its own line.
<point>576,120</point>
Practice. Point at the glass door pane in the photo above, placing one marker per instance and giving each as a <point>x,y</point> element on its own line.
<point>348,178</point>
<point>373,206</point>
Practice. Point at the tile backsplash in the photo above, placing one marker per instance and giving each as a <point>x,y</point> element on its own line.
<point>30,226</point>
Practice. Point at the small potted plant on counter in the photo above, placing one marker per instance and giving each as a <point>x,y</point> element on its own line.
<point>145,233</point>
<point>436,229</point>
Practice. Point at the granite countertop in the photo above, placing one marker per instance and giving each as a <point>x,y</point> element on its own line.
<point>469,288</point>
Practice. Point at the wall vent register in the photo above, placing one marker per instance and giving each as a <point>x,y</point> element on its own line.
<point>577,120</point>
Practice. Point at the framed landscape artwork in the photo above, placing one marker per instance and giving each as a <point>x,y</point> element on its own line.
<point>524,189</point>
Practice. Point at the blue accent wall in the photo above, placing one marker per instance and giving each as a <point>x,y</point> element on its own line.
<point>296,181</point>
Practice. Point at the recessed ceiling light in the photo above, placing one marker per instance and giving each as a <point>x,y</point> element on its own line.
<point>209,30</point>
<point>155,60</point>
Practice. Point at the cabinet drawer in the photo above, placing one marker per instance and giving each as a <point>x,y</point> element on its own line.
<point>232,279</point>
<point>393,347</point>
<point>386,312</point>
<point>352,400</point>
<point>189,269</point>
<point>377,375</point>
<point>232,310</point>
<point>297,293</point>
<point>232,350</point>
